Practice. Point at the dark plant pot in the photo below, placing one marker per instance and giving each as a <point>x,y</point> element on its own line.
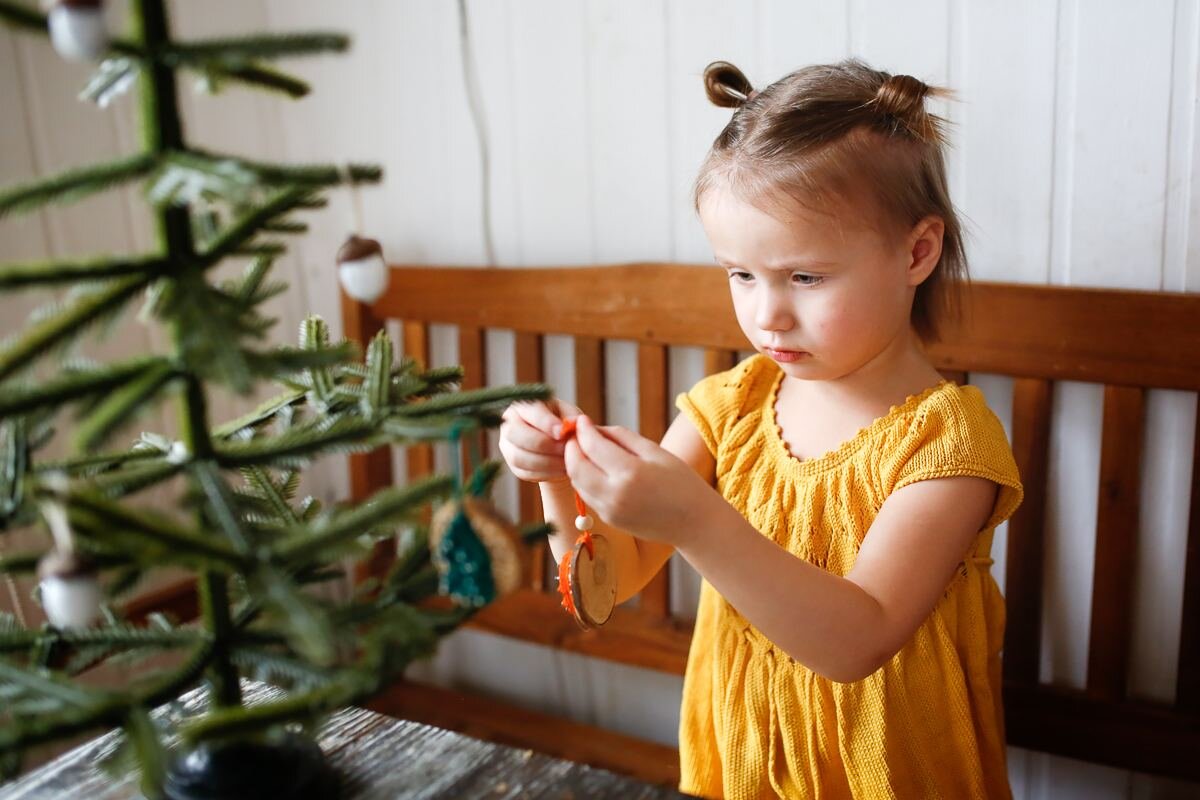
<point>292,768</point>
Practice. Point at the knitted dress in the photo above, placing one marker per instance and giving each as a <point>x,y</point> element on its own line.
<point>755,723</point>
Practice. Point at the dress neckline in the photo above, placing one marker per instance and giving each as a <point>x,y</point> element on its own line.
<point>831,458</point>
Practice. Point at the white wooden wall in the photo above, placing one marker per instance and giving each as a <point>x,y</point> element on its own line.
<point>1075,163</point>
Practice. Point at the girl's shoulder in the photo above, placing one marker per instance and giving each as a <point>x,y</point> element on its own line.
<point>718,401</point>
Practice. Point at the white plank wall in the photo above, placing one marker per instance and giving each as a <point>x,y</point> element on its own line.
<point>1074,162</point>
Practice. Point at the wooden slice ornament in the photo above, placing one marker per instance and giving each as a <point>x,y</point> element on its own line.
<point>587,574</point>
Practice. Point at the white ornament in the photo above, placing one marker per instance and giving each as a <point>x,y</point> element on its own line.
<point>584,523</point>
<point>71,593</point>
<point>178,454</point>
<point>77,30</point>
<point>362,270</point>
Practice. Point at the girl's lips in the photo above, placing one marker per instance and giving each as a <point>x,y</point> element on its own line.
<point>785,355</point>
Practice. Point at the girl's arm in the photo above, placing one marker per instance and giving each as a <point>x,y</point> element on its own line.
<point>638,560</point>
<point>845,628</point>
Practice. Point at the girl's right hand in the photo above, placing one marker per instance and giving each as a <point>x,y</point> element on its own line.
<point>529,439</point>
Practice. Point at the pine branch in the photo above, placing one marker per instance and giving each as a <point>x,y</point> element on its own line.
<point>75,183</point>
<point>73,385</point>
<point>261,77</point>
<point>265,487</point>
<point>258,416</point>
<point>301,443</point>
<point>115,636</point>
<point>228,722</point>
<point>309,176</point>
<point>475,399</point>
<point>246,48</point>
<point>383,507</point>
<point>51,272</point>
<point>177,541</point>
<point>69,323</point>
<point>243,229</point>
<point>221,504</point>
<point>291,360</point>
<point>122,404</point>
<point>19,562</point>
<point>379,371</point>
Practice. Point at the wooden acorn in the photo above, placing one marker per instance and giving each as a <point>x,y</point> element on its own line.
<point>77,29</point>
<point>480,560</point>
<point>361,269</point>
<point>70,589</point>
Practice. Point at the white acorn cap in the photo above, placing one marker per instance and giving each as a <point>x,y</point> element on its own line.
<point>77,29</point>
<point>71,593</point>
<point>362,270</point>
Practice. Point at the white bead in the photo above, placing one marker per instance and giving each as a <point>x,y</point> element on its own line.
<point>584,523</point>
<point>178,454</point>
<point>364,279</point>
<point>78,34</point>
<point>71,602</point>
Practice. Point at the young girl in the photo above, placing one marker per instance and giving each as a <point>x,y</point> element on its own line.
<point>847,642</point>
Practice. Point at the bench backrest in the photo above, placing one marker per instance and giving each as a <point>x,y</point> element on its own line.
<point>1126,341</point>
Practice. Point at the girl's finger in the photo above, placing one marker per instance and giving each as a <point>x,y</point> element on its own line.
<point>531,439</point>
<point>598,447</point>
<point>633,442</point>
<point>539,416</point>
<point>586,476</point>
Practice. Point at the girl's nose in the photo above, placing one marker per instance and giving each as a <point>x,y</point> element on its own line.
<point>774,312</point>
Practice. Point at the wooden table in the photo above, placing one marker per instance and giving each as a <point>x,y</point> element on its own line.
<point>378,757</point>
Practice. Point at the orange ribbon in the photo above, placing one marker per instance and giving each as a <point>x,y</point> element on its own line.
<point>564,564</point>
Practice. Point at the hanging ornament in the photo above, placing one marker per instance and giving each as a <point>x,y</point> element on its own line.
<point>77,29</point>
<point>587,575</point>
<point>69,582</point>
<point>477,552</point>
<point>361,269</point>
<point>70,589</point>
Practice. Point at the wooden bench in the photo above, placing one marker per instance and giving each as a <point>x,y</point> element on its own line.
<point>1126,341</point>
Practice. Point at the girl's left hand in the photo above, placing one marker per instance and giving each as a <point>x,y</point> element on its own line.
<point>633,484</point>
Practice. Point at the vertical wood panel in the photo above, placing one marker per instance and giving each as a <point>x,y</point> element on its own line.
<point>1024,559</point>
<point>1116,541</point>
<point>419,457</point>
<point>652,423</point>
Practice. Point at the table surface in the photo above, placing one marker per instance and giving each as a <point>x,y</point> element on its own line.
<point>378,757</point>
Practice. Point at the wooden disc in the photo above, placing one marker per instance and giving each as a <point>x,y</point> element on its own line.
<point>593,582</point>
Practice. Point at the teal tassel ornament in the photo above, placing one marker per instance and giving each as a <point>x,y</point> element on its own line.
<point>466,576</point>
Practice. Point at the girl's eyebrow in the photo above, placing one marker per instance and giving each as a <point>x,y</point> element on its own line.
<point>783,265</point>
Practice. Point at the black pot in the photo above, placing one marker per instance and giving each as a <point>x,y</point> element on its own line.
<point>290,768</point>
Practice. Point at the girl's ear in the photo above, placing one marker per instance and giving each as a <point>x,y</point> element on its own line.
<point>925,248</point>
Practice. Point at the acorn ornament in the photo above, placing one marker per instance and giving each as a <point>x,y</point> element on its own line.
<point>70,589</point>
<point>477,552</point>
<point>77,29</point>
<point>361,269</point>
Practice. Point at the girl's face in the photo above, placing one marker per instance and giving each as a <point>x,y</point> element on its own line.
<point>819,295</point>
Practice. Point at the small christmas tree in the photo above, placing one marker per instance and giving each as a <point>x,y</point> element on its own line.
<point>236,522</point>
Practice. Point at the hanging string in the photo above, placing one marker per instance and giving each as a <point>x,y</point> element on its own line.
<point>356,211</point>
<point>585,536</point>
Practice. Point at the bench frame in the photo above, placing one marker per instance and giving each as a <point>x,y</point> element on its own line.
<point>1125,340</point>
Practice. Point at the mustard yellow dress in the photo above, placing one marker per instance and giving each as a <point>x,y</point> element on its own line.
<point>755,723</point>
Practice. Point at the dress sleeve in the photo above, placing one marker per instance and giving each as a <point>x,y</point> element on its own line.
<point>958,436</point>
<point>716,402</point>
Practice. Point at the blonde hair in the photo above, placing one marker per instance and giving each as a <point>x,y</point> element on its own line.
<point>835,135</point>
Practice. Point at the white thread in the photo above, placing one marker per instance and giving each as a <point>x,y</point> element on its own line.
<point>356,212</point>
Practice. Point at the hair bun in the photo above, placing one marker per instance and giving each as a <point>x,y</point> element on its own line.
<point>901,96</point>
<point>726,85</point>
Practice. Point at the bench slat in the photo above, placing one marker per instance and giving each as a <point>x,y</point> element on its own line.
<point>589,377</point>
<point>1187,684</point>
<point>527,352</point>
<point>652,423</point>
<point>1116,541</point>
<point>471,357</point>
<point>1023,562</point>
<point>718,360</point>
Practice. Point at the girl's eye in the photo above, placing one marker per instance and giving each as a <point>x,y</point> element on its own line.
<point>807,280</point>
<point>741,277</point>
